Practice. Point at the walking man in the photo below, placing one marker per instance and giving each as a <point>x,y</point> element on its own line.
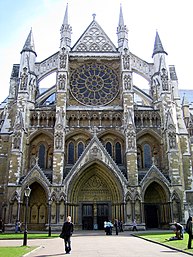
<point>67,230</point>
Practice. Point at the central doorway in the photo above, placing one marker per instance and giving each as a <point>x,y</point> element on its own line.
<point>94,216</point>
<point>151,216</point>
<point>87,216</point>
<point>102,215</point>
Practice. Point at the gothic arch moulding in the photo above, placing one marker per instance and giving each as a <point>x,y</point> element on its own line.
<point>38,133</point>
<point>95,183</point>
<point>162,187</point>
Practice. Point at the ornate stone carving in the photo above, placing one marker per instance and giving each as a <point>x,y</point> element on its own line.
<point>127,82</point>
<point>59,140</point>
<point>24,79</point>
<point>95,152</point>
<point>172,140</point>
<point>95,40</point>
<point>17,141</point>
<point>164,79</point>
<point>94,84</point>
<point>63,58</point>
<point>61,81</point>
<point>126,61</point>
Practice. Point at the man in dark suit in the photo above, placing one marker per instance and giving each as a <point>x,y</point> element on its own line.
<point>67,230</point>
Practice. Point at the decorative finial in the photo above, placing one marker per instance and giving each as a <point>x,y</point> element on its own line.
<point>94,15</point>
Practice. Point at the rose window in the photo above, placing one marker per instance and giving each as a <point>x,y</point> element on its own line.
<point>94,84</point>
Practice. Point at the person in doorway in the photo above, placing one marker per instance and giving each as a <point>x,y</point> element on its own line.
<point>120,226</point>
<point>134,225</point>
<point>19,226</point>
<point>67,230</point>
<point>2,228</point>
<point>116,225</point>
<point>108,227</point>
<point>189,231</point>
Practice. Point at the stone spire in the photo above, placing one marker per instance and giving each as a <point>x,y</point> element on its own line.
<point>65,31</point>
<point>28,55</point>
<point>159,58</point>
<point>158,48</point>
<point>29,44</point>
<point>122,32</point>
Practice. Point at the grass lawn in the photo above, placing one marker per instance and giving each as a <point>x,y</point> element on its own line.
<point>162,239</point>
<point>29,236</point>
<point>16,251</point>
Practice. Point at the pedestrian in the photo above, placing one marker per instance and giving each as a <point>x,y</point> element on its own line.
<point>116,225</point>
<point>120,226</point>
<point>108,227</point>
<point>134,225</point>
<point>189,231</point>
<point>2,228</point>
<point>18,226</point>
<point>67,230</point>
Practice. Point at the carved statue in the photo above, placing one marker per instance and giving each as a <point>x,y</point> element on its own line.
<point>164,78</point>
<point>58,140</point>
<point>126,61</point>
<point>62,81</point>
<point>24,78</point>
<point>127,82</point>
<point>63,59</point>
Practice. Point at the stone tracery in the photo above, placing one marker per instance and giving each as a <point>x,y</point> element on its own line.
<point>94,84</point>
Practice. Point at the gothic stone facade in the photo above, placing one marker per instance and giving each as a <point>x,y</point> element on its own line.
<point>95,146</point>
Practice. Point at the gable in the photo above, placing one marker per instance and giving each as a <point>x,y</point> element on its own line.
<point>95,152</point>
<point>94,39</point>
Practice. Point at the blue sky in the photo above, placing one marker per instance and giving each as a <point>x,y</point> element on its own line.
<point>172,19</point>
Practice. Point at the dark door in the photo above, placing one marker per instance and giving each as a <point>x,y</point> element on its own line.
<point>102,214</point>
<point>151,216</point>
<point>87,217</point>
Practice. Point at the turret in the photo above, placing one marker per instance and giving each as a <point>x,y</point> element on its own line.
<point>160,78</point>
<point>186,110</point>
<point>65,32</point>
<point>122,33</point>
<point>28,55</point>
<point>158,55</point>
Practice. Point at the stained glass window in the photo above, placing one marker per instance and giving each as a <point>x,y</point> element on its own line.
<point>109,148</point>
<point>94,84</point>
<point>147,156</point>
<point>118,153</point>
<point>71,153</point>
<point>80,149</point>
<point>41,157</point>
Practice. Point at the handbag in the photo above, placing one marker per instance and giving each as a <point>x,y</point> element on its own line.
<point>61,235</point>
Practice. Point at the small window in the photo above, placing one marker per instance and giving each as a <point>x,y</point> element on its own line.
<point>118,153</point>
<point>41,156</point>
<point>109,148</point>
<point>80,149</point>
<point>71,153</point>
<point>147,156</point>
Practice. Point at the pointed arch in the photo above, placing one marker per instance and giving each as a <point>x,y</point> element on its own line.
<point>97,171</point>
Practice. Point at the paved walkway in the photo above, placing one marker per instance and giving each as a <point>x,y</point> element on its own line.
<point>96,244</point>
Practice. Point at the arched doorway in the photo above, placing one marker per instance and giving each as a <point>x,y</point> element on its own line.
<point>156,206</point>
<point>96,193</point>
<point>38,209</point>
